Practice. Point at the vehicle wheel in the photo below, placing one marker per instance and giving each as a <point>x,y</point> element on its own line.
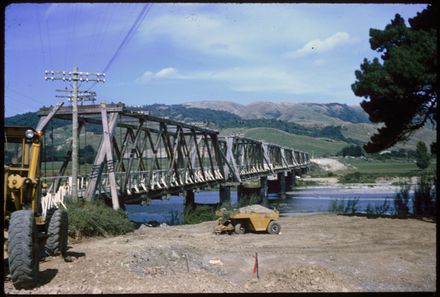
<point>239,229</point>
<point>274,227</point>
<point>56,242</point>
<point>23,249</point>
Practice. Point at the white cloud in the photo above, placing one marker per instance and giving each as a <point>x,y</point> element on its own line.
<point>166,72</point>
<point>320,46</point>
<point>242,31</point>
<point>147,76</point>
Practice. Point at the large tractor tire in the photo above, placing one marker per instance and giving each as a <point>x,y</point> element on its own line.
<point>274,227</point>
<point>23,249</point>
<point>240,228</point>
<point>56,242</point>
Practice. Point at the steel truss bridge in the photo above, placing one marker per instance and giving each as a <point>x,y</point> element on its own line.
<point>141,155</point>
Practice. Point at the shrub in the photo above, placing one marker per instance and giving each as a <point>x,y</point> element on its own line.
<point>198,214</point>
<point>344,207</point>
<point>306,183</point>
<point>357,177</point>
<point>337,206</point>
<point>96,219</point>
<point>378,210</point>
<point>401,200</point>
<point>249,200</point>
<point>423,201</point>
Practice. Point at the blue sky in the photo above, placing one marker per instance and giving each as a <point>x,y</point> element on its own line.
<point>191,52</point>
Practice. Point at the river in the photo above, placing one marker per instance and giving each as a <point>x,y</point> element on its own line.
<point>303,200</point>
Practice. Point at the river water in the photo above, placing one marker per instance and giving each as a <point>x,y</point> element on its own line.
<point>303,200</point>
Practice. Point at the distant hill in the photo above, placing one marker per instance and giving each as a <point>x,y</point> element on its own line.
<point>300,113</point>
<point>330,121</point>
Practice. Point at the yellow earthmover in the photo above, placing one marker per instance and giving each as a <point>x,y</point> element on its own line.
<point>25,226</point>
<point>247,219</point>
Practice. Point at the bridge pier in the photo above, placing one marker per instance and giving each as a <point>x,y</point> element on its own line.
<point>240,194</point>
<point>291,180</point>
<point>263,190</point>
<point>225,195</point>
<point>190,199</point>
<point>282,182</point>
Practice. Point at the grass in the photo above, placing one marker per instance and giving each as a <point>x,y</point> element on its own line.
<point>313,145</point>
<point>386,168</point>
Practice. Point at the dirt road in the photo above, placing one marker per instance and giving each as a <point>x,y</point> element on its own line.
<point>313,253</point>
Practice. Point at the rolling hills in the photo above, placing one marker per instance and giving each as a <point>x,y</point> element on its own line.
<point>316,128</point>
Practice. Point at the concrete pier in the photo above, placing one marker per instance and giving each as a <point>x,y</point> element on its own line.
<point>264,190</point>
<point>282,182</point>
<point>291,180</point>
<point>225,194</point>
<point>190,199</point>
<point>240,193</point>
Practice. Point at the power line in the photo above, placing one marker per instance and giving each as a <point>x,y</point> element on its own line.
<point>40,36</point>
<point>128,36</point>
<point>23,95</point>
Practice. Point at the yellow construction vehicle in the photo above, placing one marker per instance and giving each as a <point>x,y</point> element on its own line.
<point>25,226</point>
<point>240,222</point>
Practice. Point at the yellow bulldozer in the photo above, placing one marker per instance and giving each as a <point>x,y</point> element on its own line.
<point>25,226</point>
<point>253,218</point>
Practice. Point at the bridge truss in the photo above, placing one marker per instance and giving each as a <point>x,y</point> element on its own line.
<point>141,155</point>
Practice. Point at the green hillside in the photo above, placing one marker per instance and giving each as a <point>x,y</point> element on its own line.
<point>314,145</point>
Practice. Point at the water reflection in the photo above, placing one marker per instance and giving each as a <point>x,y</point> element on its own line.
<point>301,201</point>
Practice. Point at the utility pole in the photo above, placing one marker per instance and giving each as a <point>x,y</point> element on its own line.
<point>74,76</point>
<point>82,95</point>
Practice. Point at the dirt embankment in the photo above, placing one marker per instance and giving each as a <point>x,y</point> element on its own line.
<point>313,253</point>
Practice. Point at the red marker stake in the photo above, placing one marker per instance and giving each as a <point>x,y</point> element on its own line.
<point>255,269</point>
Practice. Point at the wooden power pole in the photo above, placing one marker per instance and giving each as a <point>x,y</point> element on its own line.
<point>75,76</point>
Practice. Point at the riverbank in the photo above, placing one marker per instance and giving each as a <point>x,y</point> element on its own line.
<point>313,253</point>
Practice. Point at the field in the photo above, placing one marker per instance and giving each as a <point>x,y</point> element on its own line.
<point>313,145</point>
<point>386,168</point>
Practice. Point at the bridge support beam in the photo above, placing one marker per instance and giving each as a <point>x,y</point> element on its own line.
<point>225,195</point>
<point>291,177</point>
<point>263,190</point>
<point>190,199</point>
<point>282,182</point>
<point>240,194</point>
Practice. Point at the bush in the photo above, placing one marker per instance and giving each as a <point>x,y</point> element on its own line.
<point>424,203</point>
<point>401,200</point>
<point>344,207</point>
<point>198,214</point>
<point>96,219</point>
<point>357,177</point>
<point>378,209</point>
<point>306,183</point>
<point>249,199</point>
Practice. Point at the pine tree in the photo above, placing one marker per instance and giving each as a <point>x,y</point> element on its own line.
<point>401,90</point>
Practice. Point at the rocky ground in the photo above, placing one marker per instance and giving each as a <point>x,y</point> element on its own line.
<point>314,253</point>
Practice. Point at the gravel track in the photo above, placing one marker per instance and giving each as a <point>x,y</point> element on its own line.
<point>313,253</point>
